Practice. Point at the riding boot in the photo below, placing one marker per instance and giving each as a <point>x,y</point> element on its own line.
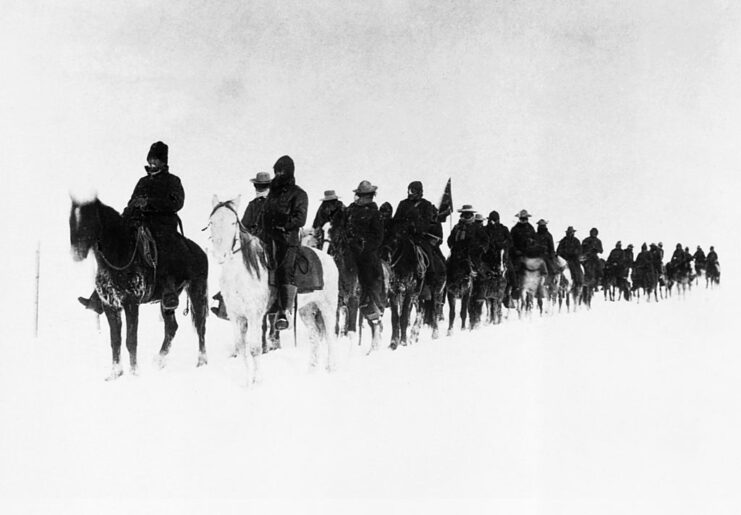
<point>170,295</point>
<point>220,310</point>
<point>287,297</point>
<point>93,303</point>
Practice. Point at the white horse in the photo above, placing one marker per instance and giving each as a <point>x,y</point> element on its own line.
<point>246,292</point>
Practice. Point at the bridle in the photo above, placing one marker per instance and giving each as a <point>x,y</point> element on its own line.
<point>241,228</point>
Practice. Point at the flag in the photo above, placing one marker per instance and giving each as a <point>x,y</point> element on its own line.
<point>446,204</point>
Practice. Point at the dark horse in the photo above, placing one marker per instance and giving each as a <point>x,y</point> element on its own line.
<point>416,282</point>
<point>459,286</point>
<point>125,279</point>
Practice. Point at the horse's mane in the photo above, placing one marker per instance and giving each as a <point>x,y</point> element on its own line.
<point>253,252</point>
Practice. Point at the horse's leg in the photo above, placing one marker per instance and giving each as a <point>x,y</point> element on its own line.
<point>198,295</point>
<point>406,313</point>
<point>131,309</point>
<point>247,337</point>
<point>353,305</point>
<point>171,327</point>
<point>114,324</point>
<point>465,301</point>
<point>395,321</point>
<point>451,312</point>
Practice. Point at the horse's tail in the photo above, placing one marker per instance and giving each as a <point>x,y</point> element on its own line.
<point>198,287</point>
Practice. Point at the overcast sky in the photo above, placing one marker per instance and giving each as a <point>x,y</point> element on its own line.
<point>621,115</point>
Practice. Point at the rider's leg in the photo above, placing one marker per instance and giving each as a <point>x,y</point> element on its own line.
<point>93,303</point>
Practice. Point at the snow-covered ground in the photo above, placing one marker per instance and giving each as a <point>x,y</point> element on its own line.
<point>627,407</point>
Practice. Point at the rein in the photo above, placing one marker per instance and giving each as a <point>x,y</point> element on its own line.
<point>228,204</point>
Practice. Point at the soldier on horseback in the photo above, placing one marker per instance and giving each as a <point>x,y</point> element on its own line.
<point>467,243</point>
<point>544,244</point>
<point>365,235</point>
<point>699,257</point>
<point>252,223</point>
<point>569,248</point>
<point>591,247</point>
<point>523,239</point>
<point>678,262</point>
<point>154,204</point>
<point>415,218</point>
<point>330,212</point>
<point>283,215</point>
<point>500,242</point>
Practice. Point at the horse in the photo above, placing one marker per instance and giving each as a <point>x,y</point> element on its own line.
<point>414,284</point>
<point>591,279</point>
<point>489,287</point>
<point>645,280</point>
<point>127,277</point>
<point>566,287</point>
<point>532,284</point>
<point>244,283</point>
<point>459,285</point>
<point>681,275</point>
<point>349,285</point>
<point>712,274</point>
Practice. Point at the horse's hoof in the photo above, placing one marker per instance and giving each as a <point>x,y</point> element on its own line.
<point>435,334</point>
<point>202,360</point>
<point>450,332</point>
<point>134,371</point>
<point>115,374</point>
<point>393,345</point>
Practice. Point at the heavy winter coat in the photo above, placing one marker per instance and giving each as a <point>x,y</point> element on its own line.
<point>467,240</point>
<point>591,246</point>
<point>699,258</point>
<point>523,239</point>
<point>569,248</point>
<point>413,217</point>
<point>544,242</point>
<point>364,227</point>
<point>500,243</point>
<point>285,211</point>
<point>162,196</point>
<point>252,218</point>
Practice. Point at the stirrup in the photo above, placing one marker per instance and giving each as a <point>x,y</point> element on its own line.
<point>170,301</point>
<point>281,321</point>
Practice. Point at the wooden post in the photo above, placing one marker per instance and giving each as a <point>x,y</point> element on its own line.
<point>36,295</point>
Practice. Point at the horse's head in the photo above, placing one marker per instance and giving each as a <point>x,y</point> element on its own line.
<point>224,226</point>
<point>83,227</point>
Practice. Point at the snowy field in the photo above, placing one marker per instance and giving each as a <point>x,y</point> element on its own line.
<point>625,408</point>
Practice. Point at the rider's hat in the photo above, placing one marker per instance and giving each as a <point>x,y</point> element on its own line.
<point>542,222</point>
<point>261,178</point>
<point>523,214</point>
<point>467,208</point>
<point>329,195</point>
<point>365,188</point>
<point>158,150</point>
<point>570,229</point>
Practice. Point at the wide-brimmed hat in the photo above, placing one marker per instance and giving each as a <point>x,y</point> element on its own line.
<point>467,208</point>
<point>365,188</point>
<point>523,214</point>
<point>542,222</point>
<point>262,178</point>
<point>329,195</point>
<point>478,217</point>
<point>570,228</point>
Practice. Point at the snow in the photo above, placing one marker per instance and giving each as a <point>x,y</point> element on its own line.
<point>626,405</point>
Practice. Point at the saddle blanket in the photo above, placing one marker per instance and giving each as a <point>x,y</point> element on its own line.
<point>309,274</point>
